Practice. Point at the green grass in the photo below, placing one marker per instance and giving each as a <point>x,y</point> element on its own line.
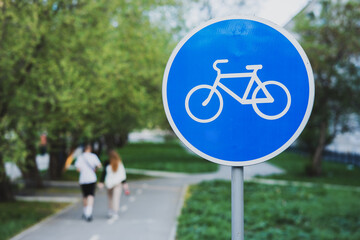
<point>17,216</point>
<point>164,157</point>
<point>333,173</point>
<point>271,213</point>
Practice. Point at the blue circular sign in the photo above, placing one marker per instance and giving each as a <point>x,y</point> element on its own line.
<point>238,91</point>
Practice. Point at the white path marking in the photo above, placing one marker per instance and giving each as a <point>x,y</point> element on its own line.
<point>112,220</point>
<point>132,199</point>
<point>123,208</point>
<point>95,237</point>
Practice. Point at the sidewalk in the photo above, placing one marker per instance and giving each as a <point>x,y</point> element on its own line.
<point>149,213</point>
<point>224,173</point>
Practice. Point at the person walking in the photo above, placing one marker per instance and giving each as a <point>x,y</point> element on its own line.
<point>114,178</point>
<point>87,163</point>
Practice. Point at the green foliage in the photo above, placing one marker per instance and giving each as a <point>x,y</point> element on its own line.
<point>80,69</point>
<point>334,173</point>
<point>331,42</point>
<point>164,157</point>
<point>207,212</point>
<point>271,212</point>
<point>14,150</point>
<point>12,220</point>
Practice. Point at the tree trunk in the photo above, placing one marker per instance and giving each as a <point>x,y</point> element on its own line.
<point>116,140</point>
<point>110,141</point>
<point>101,146</point>
<point>122,139</point>
<point>57,157</point>
<point>316,168</point>
<point>29,170</point>
<point>6,193</point>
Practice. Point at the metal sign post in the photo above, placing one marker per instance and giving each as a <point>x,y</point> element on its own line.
<point>237,203</point>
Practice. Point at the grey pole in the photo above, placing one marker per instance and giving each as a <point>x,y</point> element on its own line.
<point>237,203</point>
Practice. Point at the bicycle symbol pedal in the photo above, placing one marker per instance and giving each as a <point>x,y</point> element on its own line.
<point>254,100</point>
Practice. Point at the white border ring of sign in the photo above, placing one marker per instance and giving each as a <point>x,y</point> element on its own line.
<point>308,109</point>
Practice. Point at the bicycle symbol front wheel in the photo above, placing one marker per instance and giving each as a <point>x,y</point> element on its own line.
<point>268,116</point>
<point>208,89</point>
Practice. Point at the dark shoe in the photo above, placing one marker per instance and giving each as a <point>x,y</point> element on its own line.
<point>89,219</point>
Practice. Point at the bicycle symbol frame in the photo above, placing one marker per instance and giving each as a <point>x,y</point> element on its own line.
<point>244,99</point>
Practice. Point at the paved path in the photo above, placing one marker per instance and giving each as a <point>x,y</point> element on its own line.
<point>149,213</point>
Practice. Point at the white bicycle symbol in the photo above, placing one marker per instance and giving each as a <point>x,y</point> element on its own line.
<point>243,100</point>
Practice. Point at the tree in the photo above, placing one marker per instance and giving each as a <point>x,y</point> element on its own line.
<point>16,63</point>
<point>79,70</point>
<point>330,38</point>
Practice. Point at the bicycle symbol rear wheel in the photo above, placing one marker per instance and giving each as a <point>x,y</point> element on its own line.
<point>202,87</point>
<point>276,116</point>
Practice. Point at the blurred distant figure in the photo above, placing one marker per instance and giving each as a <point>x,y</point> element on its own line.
<point>43,144</point>
<point>86,164</point>
<point>114,177</point>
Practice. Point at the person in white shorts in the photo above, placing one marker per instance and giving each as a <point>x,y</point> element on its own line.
<point>87,163</point>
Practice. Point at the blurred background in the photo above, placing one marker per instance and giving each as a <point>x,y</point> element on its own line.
<point>78,71</point>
